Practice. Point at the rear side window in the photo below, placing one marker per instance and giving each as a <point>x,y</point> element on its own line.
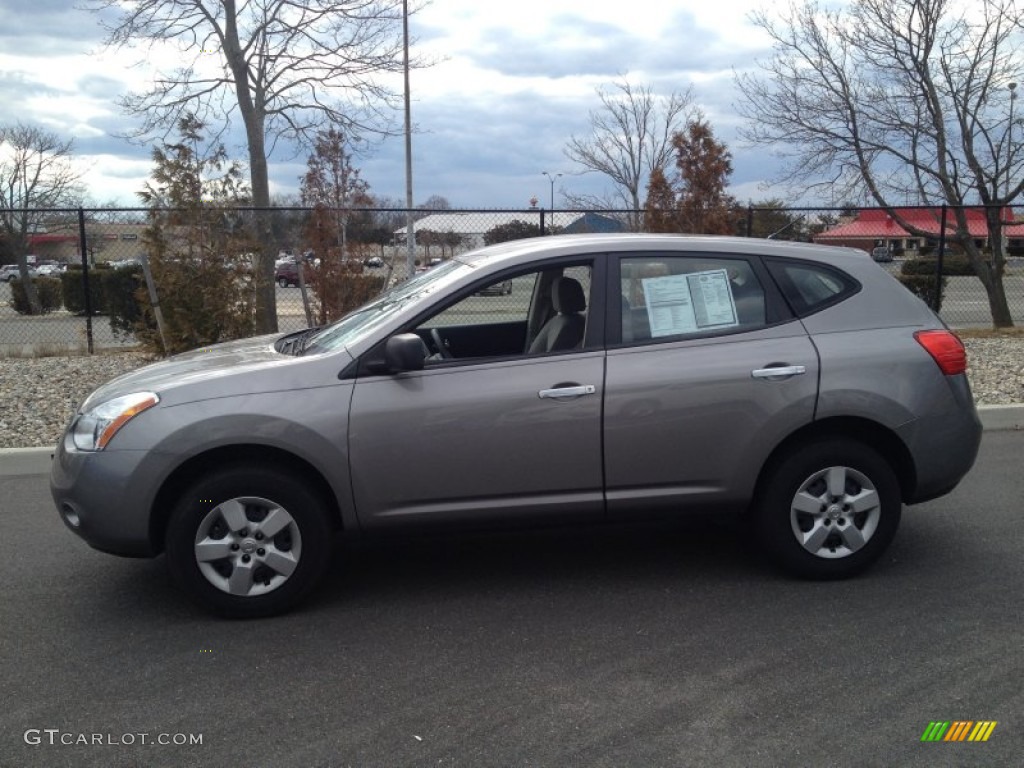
<point>671,296</point>
<point>811,287</point>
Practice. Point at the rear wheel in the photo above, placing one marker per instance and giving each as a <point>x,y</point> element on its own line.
<point>247,542</point>
<point>828,509</point>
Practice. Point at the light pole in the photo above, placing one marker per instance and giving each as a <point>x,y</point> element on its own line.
<point>1009,138</point>
<point>552,180</point>
<point>410,236</point>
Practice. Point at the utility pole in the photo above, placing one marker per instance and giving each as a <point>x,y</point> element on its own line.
<point>552,180</point>
<point>410,236</point>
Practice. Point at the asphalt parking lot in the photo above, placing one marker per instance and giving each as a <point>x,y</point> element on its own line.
<point>663,645</point>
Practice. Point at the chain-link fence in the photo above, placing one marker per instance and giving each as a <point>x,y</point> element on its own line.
<point>84,295</point>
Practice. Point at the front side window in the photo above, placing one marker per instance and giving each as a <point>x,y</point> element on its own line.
<point>667,297</point>
<point>539,312</point>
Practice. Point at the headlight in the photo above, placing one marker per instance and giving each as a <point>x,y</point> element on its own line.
<point>97,426</point>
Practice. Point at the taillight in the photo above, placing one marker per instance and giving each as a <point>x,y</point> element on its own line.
<point>946,350</point>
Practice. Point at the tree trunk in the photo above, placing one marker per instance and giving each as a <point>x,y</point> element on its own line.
<point>991,276</point>
<point>1001,317</point>
<point>35,306</point>
<point>266,297</point>
<point>254,119</point>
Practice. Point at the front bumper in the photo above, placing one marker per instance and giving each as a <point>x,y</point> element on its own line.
<point>105,497</point>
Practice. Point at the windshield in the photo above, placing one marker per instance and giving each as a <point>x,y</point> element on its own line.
<point>378,312</point>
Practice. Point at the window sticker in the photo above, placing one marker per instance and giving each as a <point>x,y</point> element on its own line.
<point>689,303</point>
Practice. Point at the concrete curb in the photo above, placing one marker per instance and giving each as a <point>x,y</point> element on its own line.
<point>24,461</point>
<point>36,461</point>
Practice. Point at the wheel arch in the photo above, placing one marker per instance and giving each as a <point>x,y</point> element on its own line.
<point>872,434</point>
<point>227,455</point>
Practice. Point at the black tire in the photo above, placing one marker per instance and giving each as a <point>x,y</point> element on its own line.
<point>283,282</point>
<point>818,535</point>
<point>206,517</point>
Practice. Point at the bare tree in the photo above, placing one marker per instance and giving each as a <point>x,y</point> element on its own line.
<point>285,68</point>
<point>630,136</point>
<point>900,100</point>
<point>36,172</point>
<point>435,203</point>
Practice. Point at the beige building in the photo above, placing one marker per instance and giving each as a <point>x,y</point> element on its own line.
<point>106,241</point>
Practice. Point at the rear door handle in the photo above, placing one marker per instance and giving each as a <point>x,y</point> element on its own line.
<point>778,372</point>
<point>559,393</point>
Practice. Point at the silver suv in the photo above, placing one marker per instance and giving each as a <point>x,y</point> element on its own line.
<point>626,376</point>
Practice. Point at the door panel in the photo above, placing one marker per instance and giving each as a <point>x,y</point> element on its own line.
<point>477,442</point>
<point>688,425</point>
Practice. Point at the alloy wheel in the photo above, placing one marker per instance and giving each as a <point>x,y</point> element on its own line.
<point>835,512</point>
<point>247,546</point>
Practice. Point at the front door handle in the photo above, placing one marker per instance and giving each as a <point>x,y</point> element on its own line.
<point>778,372</point>
<point>559,393</point>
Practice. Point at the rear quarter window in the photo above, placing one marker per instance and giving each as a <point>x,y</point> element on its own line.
<point>810,287</point>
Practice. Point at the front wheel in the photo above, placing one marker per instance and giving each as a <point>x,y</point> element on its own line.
<point>827,510</point>
<point>248,542</point>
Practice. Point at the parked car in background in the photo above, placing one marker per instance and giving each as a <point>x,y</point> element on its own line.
<point>882,254</point>
<point>500,288</point>
<point>287,273</point>
<point>796,385</point>
<point>51,269</point>
<point>10,272</point>
<point>373,262</point>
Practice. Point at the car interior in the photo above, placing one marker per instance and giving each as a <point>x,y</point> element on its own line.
<point>546,314</point>
<point>746,293</point>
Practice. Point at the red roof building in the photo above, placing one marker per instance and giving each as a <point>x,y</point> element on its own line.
<point>875,227</point>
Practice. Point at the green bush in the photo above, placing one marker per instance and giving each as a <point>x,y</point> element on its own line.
<point>120,287</point>
<point>74,290</point>
<point>953,265</point>
<point>923,286</point>
<point>49,290</point>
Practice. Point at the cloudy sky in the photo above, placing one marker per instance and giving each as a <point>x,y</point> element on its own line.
<point>512,83</point>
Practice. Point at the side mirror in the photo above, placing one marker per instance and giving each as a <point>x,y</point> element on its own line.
<point>405,352</point>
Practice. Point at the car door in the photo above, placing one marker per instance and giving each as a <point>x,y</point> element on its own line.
<point>709,374</point>
<point>486,437</point>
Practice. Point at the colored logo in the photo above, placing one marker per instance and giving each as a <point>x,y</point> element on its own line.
<point>959,730</point>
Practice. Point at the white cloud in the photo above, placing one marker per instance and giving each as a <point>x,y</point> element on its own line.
<point>512,82</point>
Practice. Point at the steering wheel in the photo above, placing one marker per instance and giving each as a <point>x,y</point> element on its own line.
<point>442,348</point>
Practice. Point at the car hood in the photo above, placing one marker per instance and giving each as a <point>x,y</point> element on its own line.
<point>208,364</point>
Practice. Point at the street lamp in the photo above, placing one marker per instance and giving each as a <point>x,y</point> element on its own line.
<point>410,236</point>
<point>552,180</point>
<point>1009,138</point>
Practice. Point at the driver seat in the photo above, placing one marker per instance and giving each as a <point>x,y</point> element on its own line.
<point>565,329</point>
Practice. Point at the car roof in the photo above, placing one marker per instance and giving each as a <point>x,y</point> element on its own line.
<point>526,250</point>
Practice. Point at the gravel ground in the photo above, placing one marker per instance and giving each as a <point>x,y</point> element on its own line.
<point>38,395</point>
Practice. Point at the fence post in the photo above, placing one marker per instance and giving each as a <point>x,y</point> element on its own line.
<point>83,248</point>
<point>938,258</point>
<point>750,221</point>
<point>542,222</point>
<point>154,300</point>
